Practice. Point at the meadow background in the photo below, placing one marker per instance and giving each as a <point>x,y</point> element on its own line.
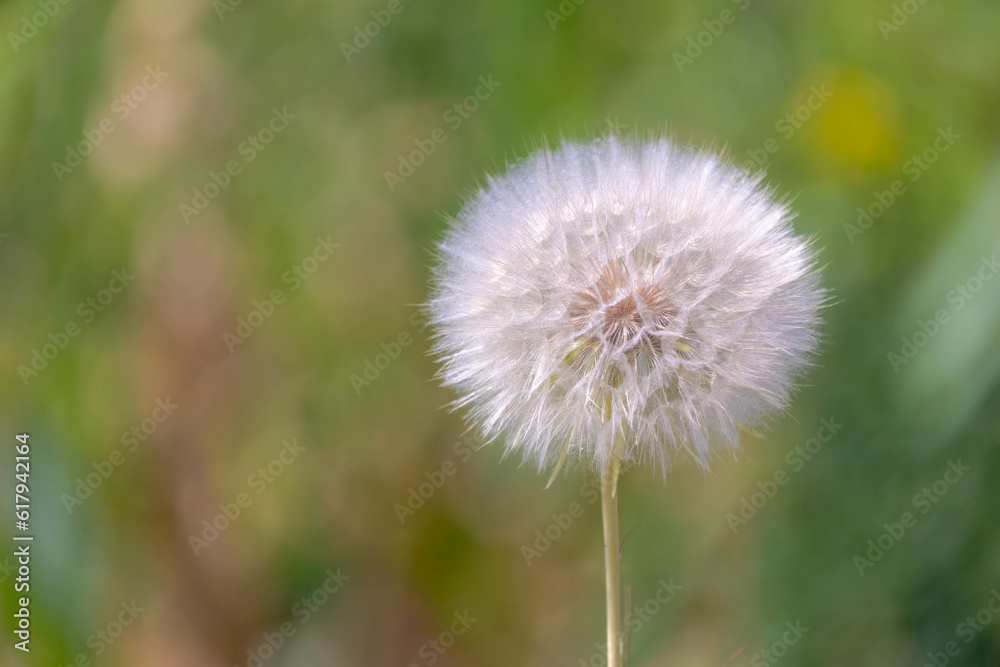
<point>235,171</point>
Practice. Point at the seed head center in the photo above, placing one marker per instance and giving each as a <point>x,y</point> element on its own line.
<point>622,321</point>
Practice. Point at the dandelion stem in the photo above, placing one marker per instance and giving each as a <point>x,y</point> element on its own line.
<point>612,573</point>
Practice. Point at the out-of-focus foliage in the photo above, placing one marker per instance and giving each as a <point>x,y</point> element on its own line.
<point>269,190</point>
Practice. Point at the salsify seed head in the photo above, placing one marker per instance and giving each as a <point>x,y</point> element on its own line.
<point>619,302</point>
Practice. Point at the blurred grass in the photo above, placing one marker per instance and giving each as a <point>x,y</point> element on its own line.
<point>605,64</point>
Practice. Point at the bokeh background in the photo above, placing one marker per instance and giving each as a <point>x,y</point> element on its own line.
<point>118,123</point>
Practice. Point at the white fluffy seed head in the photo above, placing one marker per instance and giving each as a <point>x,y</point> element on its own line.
<point>623,301</point>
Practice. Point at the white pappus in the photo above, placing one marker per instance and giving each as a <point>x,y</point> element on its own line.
<point>620,301</point>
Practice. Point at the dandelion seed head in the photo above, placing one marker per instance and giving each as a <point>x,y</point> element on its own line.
<point>623,301</point>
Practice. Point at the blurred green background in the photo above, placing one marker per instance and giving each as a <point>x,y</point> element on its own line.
<point>261,177</point>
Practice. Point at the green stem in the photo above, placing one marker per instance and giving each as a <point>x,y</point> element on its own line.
<point>612,570</point>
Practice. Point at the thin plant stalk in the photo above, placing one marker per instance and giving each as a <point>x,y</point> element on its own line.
<point>612,569</point>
